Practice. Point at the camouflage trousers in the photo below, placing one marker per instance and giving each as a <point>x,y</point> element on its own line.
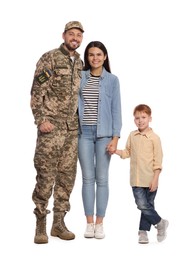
<point>55,161</point>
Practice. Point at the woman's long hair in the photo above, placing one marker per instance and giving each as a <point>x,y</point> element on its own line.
<point>101,46</point>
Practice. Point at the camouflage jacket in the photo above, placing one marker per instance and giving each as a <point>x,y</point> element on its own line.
<point>54,93</point>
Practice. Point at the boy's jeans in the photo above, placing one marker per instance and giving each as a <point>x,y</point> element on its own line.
<point>144,200</point>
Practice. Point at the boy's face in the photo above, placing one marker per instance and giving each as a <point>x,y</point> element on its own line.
<point>142,120</point>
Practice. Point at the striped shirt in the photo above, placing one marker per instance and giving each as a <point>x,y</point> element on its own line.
<point>90,95</point>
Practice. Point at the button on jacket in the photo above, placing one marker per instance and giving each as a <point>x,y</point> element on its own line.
<point>109,121</point>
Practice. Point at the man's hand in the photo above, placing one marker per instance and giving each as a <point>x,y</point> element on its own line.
<point>46,127</point>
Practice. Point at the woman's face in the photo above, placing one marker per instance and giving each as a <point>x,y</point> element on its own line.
<point>96,57</point>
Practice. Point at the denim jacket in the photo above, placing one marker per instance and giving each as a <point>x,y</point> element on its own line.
<point>109,121</point>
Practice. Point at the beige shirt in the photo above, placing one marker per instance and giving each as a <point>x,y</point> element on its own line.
<point>145,153</point>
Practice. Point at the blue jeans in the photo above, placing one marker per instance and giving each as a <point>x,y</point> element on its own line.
<point>144,200</point>
<point>94,161</point>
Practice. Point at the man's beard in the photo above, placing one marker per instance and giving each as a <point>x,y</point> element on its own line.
<point>71,48</point>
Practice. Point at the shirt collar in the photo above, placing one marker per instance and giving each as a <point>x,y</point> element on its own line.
<point>147,134</point>
<point>87,72</point>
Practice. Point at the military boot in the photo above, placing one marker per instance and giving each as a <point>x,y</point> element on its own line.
<point>41,236</point>
<point>59,229</point>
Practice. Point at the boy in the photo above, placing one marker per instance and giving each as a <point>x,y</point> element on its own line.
<point>144,149</point>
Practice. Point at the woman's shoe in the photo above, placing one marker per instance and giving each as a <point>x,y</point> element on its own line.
<point>99,231</point>
<point>89,232</point>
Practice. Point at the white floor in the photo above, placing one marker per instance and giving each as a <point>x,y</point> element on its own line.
<point>121,225</point>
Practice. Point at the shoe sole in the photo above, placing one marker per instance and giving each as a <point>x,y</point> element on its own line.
<point>143,242</point>
<point>99,237</point>
<point>89,235</point>
<point>56,234</point>
<point>40,242</point>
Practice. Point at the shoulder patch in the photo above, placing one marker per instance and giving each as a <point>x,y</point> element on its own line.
<point>44,76</point>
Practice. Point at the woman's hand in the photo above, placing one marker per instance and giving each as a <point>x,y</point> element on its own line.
<point>112,146</point>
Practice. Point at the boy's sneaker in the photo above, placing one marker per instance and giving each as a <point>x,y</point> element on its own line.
<point>161,229</point>
<point>143,237</point>
<point>89,232</point>
<point>99,231</point>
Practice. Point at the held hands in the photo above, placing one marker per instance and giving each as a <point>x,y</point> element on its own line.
<point>112,146</point>
<point>46,127</point>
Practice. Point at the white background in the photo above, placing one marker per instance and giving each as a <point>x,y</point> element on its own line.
<point>148,44</point>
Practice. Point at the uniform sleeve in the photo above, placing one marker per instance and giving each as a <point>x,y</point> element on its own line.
<point>40,84</point>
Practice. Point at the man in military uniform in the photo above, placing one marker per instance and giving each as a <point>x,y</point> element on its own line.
<point>54,102</point>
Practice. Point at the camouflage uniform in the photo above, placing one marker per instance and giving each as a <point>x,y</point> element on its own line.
<point>54,97</point>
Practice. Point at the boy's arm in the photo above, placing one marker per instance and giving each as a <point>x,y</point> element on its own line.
<point>154,183</point>
<point>118,152</point>
<point>157,163</point>
<point>125,153</point>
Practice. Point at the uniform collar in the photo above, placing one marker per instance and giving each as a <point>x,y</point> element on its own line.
<point>65,52</point>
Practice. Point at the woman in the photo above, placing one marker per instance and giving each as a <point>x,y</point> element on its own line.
<point>100,126</point>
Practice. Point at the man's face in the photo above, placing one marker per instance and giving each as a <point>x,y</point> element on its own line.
<point>72,39</point>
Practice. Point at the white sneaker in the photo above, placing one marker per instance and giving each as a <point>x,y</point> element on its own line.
<point>89,232</point>
<point>143,237</point>
<point>99,231</point>
<point>161,230</point>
